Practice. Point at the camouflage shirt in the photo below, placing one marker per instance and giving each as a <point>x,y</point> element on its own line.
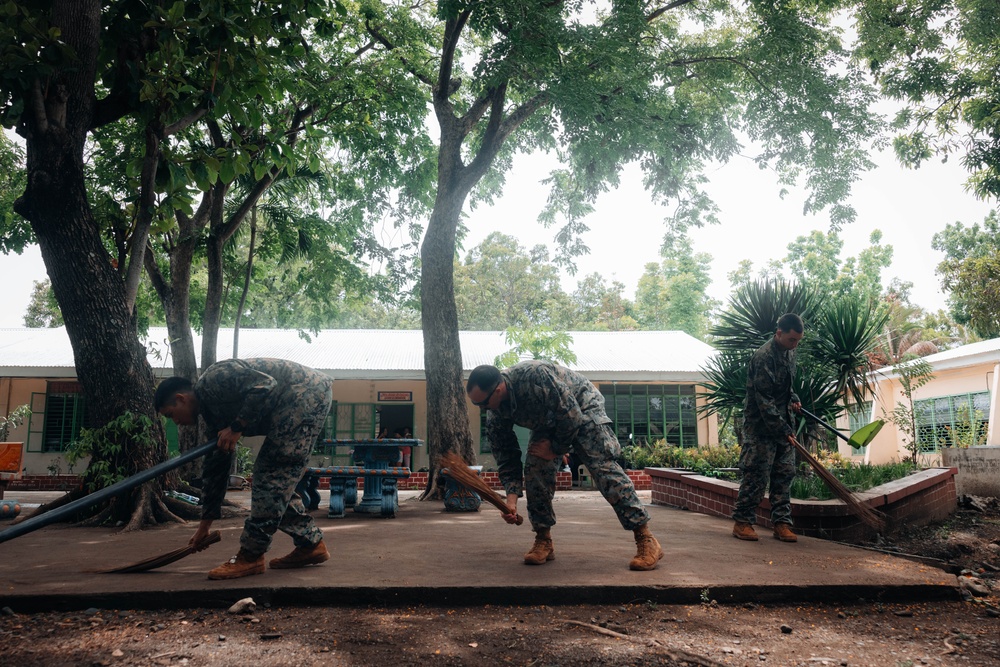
<point>545,398</point>
<point>250,390</point>
<point>769,392</point>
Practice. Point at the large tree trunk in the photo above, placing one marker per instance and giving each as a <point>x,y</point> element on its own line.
<point>447,407</point>
<point>110,362</point>
<point>175,297</point>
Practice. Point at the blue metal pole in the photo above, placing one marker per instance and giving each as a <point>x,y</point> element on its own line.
<point>108,492</point>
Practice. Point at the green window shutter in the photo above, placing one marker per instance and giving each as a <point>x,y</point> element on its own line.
<point>173,439</point>
<point>648,413</point>
<point>36,423</point>
<point>961,420</point>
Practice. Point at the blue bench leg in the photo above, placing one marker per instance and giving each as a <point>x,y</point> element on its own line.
<point>308,489</point>
<point>337,485</point>
<point>351,492</point>
<point>390,497</point>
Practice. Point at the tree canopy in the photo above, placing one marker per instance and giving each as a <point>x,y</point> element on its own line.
<point>970,273</point>
<point>939,61</point>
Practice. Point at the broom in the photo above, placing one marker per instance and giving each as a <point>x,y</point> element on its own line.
<point>164,559</point>
<point>459,471</point>
<point>866,514</point>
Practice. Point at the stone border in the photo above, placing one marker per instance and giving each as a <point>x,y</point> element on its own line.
<point>921,498</point>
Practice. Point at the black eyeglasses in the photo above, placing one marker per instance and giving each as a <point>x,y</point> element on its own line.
<point>486,401</point>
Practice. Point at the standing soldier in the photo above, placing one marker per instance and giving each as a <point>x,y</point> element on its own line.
<point>768,451</point>
<point>281,400</point>
<point>566,413</point>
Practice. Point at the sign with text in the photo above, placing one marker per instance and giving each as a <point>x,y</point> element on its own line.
<point>386,396</point>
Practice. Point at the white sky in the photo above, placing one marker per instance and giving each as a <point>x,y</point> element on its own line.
<point>626,229</point>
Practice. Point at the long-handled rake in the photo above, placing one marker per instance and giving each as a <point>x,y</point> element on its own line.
<point>859,439</point>
<point>459,471</point>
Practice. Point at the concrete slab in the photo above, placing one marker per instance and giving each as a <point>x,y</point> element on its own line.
<point>427,555</point>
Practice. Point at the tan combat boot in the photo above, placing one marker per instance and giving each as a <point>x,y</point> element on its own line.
<point>744,531</point>
<point>783,532</point>
<point>302,556</point>
<point>541,550</point>
<point>240,565</point>
<point>648,551</point>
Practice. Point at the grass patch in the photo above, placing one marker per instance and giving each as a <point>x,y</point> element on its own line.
<point>711,460</point>
<point>857,478</point>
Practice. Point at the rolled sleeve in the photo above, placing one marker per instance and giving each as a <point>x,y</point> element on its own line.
<point>507,452</point>
<point>214,482</point>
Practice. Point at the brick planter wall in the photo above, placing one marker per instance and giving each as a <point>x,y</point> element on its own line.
<point>564,481</point>
<point>45,483</point>
<point>921,498</point>
<point>416,481</point>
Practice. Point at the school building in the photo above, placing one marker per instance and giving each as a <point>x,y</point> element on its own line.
<point>648,378</point>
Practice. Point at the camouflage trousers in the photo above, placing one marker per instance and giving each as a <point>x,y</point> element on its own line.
<point>597,448</point>
<point>766,463</point>
<point>283,458</point>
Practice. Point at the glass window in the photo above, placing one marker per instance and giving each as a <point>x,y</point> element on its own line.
<point>646,413</point>
<point>952,421</point>
<point>347,421</point>
<point>858,415</point>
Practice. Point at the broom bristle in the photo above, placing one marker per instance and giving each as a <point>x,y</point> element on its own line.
<point>459,471</point>
<point>866,514</point>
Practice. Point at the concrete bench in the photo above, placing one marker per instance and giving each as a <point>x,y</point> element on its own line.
<point>344,487</point>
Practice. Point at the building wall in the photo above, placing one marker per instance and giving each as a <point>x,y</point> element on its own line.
<point>889,444</point>
<point>367,391</point>
<point>17,391</point>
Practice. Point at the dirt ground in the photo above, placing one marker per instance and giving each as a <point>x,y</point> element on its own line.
<point>963,632</point>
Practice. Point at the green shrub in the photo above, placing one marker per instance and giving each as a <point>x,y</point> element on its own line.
<point>661,455</point>
<point>861,477</point>
<point>108,446</point>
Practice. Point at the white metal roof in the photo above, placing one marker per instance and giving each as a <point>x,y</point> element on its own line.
<point>973,354</point>
<point>380,353</point>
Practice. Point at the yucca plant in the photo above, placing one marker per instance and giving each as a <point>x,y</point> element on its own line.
<point>833,357</point>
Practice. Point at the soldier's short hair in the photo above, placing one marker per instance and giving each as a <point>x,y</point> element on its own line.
<point>167,391</point>
<point>791,322</point>
<point>486,377</point>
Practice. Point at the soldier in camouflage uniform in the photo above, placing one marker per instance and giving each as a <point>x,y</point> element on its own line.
<point>768,444</point>
<point>565,413</point>
<point>281,400</point>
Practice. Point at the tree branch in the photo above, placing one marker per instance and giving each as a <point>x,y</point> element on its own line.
<point>656,13</point>
<point>384,41</point>
<point>185,122</point>
<point>144,218</point>
<point>452,31</point>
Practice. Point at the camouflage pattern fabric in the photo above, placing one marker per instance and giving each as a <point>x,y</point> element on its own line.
<point>566,408</point>
<point>767,458</point>
<point>766,412</point>
<point>285,402</point>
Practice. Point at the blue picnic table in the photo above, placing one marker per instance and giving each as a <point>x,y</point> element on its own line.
<point>375,462</point>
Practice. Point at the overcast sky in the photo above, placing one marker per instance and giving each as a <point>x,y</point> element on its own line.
<point>626,230</point>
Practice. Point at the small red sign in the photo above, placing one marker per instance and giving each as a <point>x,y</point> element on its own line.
<point>386,396</point>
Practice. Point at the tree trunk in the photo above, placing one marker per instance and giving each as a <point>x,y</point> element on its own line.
<point>246,284</point>
<point>447,408</point>
<point>211,321</point>
<point>110,362</point>
<point>175,299</point>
